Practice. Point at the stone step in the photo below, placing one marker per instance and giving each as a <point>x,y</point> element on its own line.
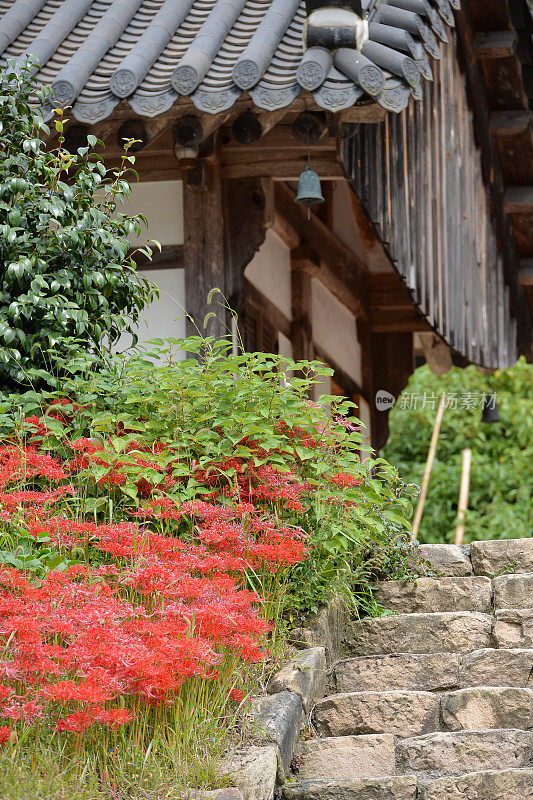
<point>509,784</point>
<point>508,555</point>
<point>350,756</point>
<point>496,668</point>
<point>393,788</point>
<point>483,708</point>
<point>513,591</point>
<point>409,671</point>
<point>514,628</point>
<point>400,713</point>
<point>454,632</point>
<point>439,754</point>
<point>447,559</point>
<point>428,595</point>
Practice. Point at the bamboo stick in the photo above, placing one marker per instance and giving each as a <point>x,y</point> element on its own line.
<point>463,496</point>
<point>428,467</point>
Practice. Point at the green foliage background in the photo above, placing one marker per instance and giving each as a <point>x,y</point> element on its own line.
<point>68,283</point>
<point>500,504</point>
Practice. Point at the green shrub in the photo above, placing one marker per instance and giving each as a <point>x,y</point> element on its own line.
<point>220,412</point>
<point>500,504</point>
<point>67,282</point>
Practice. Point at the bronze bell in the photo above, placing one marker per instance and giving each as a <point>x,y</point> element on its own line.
<point>309,190</point>
<point>490,410</point>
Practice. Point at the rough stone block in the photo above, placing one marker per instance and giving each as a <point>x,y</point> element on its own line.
<point>324,628</point>
<point>400,713</point>
<point>512,784</point>
<point>436,594</point>
<point>453,632</point>
<point>496,668</point>
<point>349,756</point>
<point>278,720</point>
<point>507,555</point>
<point>438,754</point>
<point>394,788</point>
<point>305,675</point>
<point>514,628</point>
<point>424,671</point>
<point>483,708</point>
<point>254,772</point>
<point>513,591</point>
<point>447,559</point>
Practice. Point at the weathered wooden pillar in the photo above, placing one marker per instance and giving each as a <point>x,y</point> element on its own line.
<point>304,263</point>
<point>204,251</point>
<point>392,359</point>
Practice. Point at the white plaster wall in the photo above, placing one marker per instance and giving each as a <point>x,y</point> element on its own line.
<point>284,346</point>
<point>161,202</point>
<point>165,316</point>
<point>342,220</point>
<point>334,331</point>
<point>345,227</point>
<point>270,272</point>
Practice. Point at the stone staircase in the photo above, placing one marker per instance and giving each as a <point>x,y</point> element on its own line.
<point>434,702</point>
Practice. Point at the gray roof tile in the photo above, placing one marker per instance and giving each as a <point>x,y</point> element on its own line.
<point>94,54</point>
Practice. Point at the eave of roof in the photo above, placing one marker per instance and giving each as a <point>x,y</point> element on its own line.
<point>94,53</point>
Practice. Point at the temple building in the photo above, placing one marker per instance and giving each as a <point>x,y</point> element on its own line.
<point>416,241</point>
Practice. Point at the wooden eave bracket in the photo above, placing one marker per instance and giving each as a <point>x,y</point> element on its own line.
<point>495,44</point>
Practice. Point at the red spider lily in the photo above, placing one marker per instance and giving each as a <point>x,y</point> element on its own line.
<point>6,735</point>
<point>345,479</point>
<point>86,645</point>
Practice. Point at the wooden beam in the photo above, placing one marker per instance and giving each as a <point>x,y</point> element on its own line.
<point>391,320</point>
<point>340,270</point>
<point>495,44</point>
<point>510,123</point>
<point>326,165</point>
<point>387,290</point>
<point>305,259</point>
<point>365,114</point>
<point>525,272</point>
<point>519,199</point>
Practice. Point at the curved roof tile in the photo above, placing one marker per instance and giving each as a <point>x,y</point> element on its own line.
<point>94,54</point>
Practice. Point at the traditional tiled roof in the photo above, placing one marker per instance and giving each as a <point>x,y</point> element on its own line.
<point>95,53</point>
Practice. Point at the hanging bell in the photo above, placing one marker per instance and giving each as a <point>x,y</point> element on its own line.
<point>490,410</point>
<point>309,190</point>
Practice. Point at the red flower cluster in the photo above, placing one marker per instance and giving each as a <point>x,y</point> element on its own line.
<point>151,608</point>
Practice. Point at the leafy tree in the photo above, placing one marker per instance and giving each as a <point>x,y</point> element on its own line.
<point>67,281</point>
<point>500,504</point>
